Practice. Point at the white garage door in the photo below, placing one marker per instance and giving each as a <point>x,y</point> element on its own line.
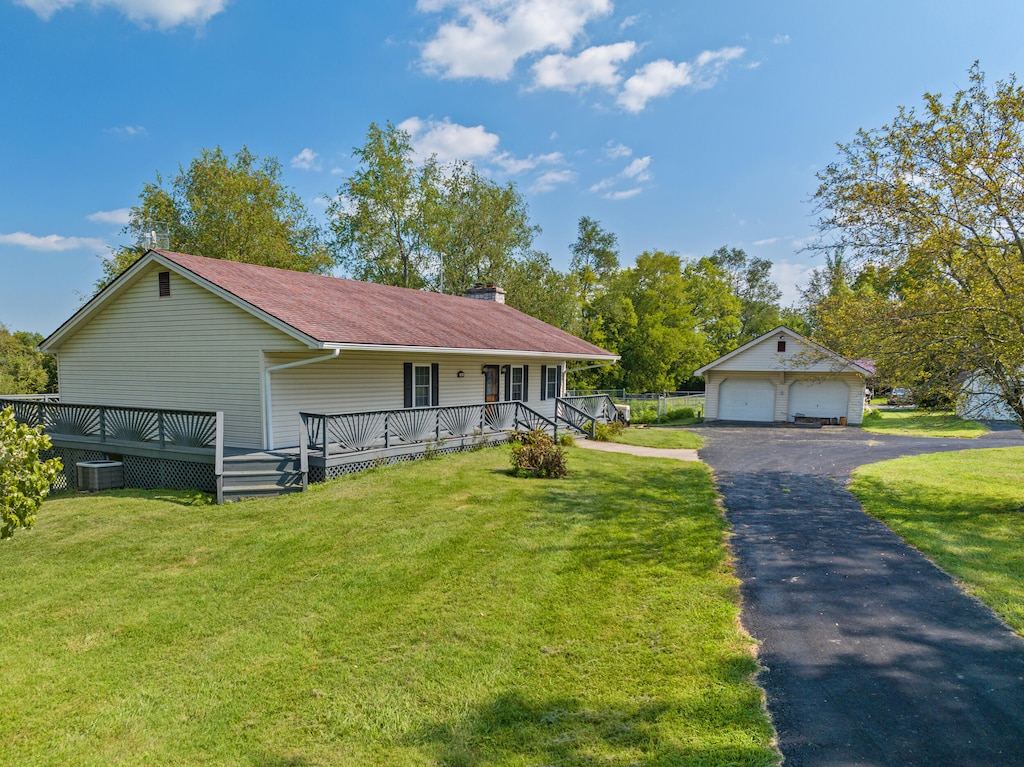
<point>740,400</point>
<point>819,399</point>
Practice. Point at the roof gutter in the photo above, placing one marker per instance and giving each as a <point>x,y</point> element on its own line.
<point>268,404</point>
<point>590,367</point>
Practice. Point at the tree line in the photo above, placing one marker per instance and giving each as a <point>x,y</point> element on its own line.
<point>443,227</point>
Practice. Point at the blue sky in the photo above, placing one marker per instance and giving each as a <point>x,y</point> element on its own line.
<point>680,126</point>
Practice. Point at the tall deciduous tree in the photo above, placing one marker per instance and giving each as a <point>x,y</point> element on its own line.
<point>422,225</point>
<point>23,370</point>
<point>757,292</point>
<point>235,208</point>
<point>937,198</point>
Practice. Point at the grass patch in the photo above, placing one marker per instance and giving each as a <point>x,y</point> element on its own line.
<point>663,438</point>
<point>434,613</point>
<point>964,511</point>
<point>922,423</point>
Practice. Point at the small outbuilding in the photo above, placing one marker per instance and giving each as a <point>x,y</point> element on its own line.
<point>784,377</point>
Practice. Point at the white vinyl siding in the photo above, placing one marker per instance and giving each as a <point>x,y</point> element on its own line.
<point>360,381</point>
<point>746,400</point>
<point>190,350</point>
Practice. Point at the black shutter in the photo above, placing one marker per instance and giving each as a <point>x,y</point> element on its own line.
<point>435,379</point>
<point>543,382</point>
<point>508,382</point>
<point>408,384</point>
<point>558,381</point>
<point>526,383</point>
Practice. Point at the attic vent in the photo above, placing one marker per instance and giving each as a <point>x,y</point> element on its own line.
<point>165,283</point>
<point>782,346</point>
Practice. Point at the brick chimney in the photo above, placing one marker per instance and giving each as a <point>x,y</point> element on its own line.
<point>485,292</point>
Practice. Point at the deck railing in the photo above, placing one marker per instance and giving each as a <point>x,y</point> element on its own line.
<point>582,413</point>
<point>191,429</point>
<point>383,429</point>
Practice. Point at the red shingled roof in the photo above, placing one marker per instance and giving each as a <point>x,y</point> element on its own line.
<point>338,311</point>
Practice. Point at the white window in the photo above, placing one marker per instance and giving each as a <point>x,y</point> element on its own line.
<point>421,385</point>
<point>516,383</point>
<point>551,384</point>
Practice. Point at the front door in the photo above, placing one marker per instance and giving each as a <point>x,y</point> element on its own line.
<point>492,383</point>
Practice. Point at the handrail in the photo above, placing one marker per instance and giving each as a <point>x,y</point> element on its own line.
<point>581,424</point>
<point>383,429</point>
<point>160,428</point>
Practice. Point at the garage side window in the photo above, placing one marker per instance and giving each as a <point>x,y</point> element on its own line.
<point>421,385</point>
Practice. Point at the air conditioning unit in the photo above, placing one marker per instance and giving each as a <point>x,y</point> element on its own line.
<point>100,475</point>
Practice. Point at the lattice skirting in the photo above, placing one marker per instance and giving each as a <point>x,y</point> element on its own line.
<point>139,472</point>
<point>158,473</point>
<point>68,478</point>
<point>319,474</point>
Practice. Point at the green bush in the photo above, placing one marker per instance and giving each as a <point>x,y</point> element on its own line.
<point>603,432</point>
<point>24,479</point>
<point>535,454</point>
<point>643,413</point>
<point>567,440</point>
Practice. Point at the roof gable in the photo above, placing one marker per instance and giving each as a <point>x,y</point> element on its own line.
<point>328,312</point>
<point>802,355</point>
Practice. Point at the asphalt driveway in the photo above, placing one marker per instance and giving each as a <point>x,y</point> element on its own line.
<point>872,655</point>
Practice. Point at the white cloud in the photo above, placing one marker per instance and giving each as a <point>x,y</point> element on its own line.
<point>635,172</point>
<point>624,194</point>
<point>307,159</point>
<point>129,131</point>
<point>638,169</point>
<point>449,141</point>
<point>617,151</point>
<point>51,242</point>
<point>514,165</point>
<point>121,216</point>
<point>598,65</point>
<point>548,181</point>
<point>164,13</point>
<point>487,37</point>
<point>659,78</point>
<point>780,40</point>
<point>789,276</point>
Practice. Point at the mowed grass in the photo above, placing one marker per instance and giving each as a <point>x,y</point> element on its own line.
<point>965,511</point>
<point>436,613</point>
<point>659,437</point>
<point>922,423</point>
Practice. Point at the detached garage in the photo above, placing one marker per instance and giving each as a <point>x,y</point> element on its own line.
<point>782,377</point>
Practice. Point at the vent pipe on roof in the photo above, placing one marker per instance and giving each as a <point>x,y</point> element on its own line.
<point>485,292</point>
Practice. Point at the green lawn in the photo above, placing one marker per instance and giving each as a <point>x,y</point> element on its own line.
<point>659,437</point>
<point>922,423</point>
<point>965,511</point>
<point>435,613</point>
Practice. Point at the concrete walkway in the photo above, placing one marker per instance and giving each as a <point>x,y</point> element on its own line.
<point>650,452</point>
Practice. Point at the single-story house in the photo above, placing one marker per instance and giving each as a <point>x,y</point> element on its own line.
<point>262,345</point>
<point>783,377</point>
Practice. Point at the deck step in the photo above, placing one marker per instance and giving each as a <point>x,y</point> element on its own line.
<point>260,475</point>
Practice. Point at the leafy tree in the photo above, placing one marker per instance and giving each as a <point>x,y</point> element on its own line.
<point>936,199</point>
<point>424,225</point>
<point>23,370</point>
<point>235,208</point>
<point>380,214</point>
<point>478,230</point>
<point>757,292</point>
<point>716,309</point>
<point>533,286</point>
<point>595,257</point>
<point>24,479</point>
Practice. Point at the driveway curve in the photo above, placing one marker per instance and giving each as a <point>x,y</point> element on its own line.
<point>871,654</point>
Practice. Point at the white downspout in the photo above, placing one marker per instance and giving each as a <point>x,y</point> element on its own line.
<point>268,400</point>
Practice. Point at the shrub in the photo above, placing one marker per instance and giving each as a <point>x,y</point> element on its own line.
<point>603,432</point>
<point>643,412</point>
<point>24,479</point>
<point>535,454</point>
<point>566,440</point>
